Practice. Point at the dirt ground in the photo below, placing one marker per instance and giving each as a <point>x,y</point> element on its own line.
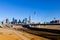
<point>9,34</point>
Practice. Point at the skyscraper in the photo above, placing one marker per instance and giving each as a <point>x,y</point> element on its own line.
<point>19,21</point>
<point>15,22</point>
<point>29,20</point>
<point>7,20</point>
<point>26,21</point>
<point>23,21</point>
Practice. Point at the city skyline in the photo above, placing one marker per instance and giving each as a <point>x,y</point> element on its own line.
<point>46,10</point>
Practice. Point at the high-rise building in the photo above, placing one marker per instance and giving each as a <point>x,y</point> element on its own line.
<point>15,22</point>
<point>19,21</point>
<point>7,21</point>
<point>23,21</point>
<point>29,20</point>
<point>2,22</point>
<point>26,21</point>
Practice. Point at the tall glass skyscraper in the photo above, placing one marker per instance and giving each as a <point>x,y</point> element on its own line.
<point>29,19</point>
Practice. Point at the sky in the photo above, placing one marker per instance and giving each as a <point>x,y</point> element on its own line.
<point>45,10</point>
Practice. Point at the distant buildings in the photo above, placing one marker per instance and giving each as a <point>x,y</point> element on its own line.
<point>14,21</point>
<point>55,22</point>
<point>27,21</point>
<point>6,21</point>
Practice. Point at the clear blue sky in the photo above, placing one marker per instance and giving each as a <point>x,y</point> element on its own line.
<point>46,10</point>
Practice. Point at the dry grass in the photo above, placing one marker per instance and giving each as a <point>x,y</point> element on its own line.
<point>32,37</point>
<point>6,34</point>
<point>51,36</point>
